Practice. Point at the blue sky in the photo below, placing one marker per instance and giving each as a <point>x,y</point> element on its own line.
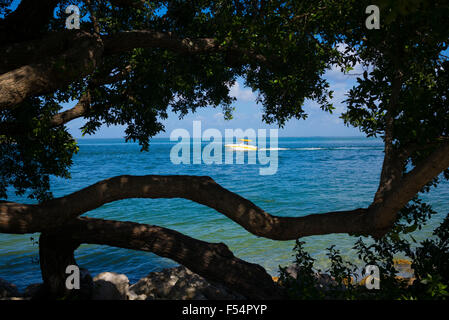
<point>248,114</point>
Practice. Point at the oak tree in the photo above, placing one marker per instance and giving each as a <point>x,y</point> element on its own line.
<point>133,61</point>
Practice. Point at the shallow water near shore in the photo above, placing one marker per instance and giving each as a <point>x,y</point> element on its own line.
<point>314,175</point>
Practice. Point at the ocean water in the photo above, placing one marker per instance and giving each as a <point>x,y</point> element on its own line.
<point>314,175</point>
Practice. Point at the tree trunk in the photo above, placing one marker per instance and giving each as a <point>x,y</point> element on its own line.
<point>214,261</point>
<point>56,252</point>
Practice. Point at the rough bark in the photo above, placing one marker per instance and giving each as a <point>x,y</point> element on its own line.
<point>56,72</point>
<point>384,213</point>
<point>213,261</point>
<point>79,110</point>
<point>127,40</point>
<point>56,252</point>
<point>22,218</point>
<point>374,220</point>
<point>393,165</point>
<point>83,52</point>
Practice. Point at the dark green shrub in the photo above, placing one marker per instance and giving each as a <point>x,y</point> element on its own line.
<point>429,262</point>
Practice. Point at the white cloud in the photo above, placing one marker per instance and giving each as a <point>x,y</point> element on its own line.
<point>242,94</point>
<point>335,73</point>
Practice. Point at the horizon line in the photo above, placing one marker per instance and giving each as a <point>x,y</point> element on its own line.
<point>123,138</point>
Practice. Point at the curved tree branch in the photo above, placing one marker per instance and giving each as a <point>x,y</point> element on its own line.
<point>384,213</point>
<point>23,218</point>
<point>58,119</point>
<point>82,57</point>
<point>19,54</point>
<point>127,40</point>
<point>79,110</point>
<point>56,72</point>
<point>393,164</point>
<point>375,220</point>
<point>214,261</point>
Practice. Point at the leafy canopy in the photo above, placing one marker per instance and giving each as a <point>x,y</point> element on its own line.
<point>280,48</point>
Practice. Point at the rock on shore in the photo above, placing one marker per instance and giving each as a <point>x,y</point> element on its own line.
<point>169,284</point>
<point>8,290</point>
<point>181,284</point>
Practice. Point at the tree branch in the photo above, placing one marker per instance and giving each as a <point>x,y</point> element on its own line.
<point>84,55</point>
<point>214,261</point>
<point>23,218</point>
<point>140,4</point>
<point>56,72</point>
<point>127,40</point>
<point>16,55</point>
<point>393,165</point>
<point>79,110</point>
<point>384,213</point>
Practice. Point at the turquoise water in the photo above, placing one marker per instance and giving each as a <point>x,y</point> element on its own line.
<point>314,175</point>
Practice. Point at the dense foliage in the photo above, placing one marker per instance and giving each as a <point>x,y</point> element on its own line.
<point>163,80</point>
<point>281,49</point>
<point>298,40</point>
<point>426,279</point>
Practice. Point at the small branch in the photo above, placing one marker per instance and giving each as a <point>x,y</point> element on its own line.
<point>127,40</point>
<point>93,18</point>
<point>307,14</point>
<point>392,165</point>
<point>79,110</point>
<point>140,4</point>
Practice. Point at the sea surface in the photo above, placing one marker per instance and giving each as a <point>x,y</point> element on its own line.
<point>314,175</point>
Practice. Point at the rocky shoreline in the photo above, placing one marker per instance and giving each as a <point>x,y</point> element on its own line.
<point>177,283</point>
<point>169,284</point>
